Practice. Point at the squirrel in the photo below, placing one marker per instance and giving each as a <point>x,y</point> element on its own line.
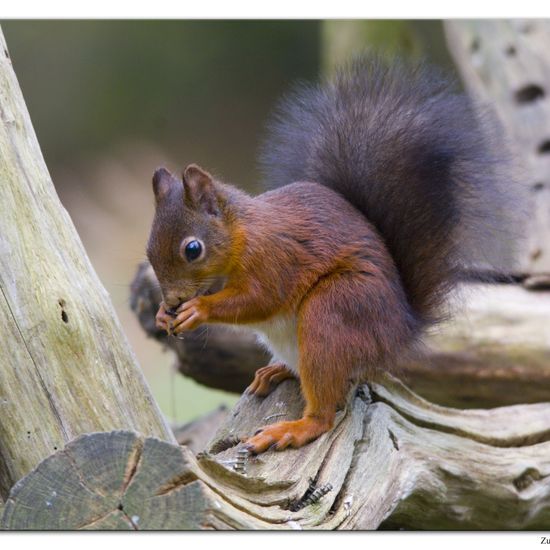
<point>348,259</point>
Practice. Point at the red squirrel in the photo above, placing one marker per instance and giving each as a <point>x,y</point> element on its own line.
<point>344,264</point>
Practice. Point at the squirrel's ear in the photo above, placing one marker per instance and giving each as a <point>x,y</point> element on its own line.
<point>200,190</point>
<point>163,183</point>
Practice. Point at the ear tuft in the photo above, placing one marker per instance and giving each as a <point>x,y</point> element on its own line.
<point>163,183</point>
<point>195,175</point>
<point>200,190</point>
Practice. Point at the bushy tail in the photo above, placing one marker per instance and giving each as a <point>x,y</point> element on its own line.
<point>407,151</point>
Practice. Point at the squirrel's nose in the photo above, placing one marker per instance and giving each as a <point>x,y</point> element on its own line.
<point>172,301</point>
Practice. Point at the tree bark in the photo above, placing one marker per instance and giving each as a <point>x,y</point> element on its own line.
<point>65,367</point>
<point>505,64</point>
<point>393,460</point>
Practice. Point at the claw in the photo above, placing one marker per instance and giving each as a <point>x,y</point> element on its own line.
<point>250,449</point>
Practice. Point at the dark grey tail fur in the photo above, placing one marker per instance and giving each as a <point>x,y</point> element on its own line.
<point>405,149</point>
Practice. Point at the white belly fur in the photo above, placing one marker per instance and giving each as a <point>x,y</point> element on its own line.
<point>280,337</point>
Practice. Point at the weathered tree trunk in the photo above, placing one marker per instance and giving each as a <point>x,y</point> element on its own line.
<point>393,461</point>
<point>65,365</point>
<point>505,63</point>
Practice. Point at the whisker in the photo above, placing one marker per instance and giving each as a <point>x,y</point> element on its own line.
<point>206,337</point>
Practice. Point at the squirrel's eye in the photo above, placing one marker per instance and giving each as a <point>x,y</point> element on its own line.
<point>193,250</point>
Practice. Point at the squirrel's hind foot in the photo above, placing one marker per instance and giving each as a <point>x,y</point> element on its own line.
<point>294,433</point>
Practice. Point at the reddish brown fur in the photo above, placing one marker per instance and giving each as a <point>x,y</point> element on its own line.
<point>300,250</point>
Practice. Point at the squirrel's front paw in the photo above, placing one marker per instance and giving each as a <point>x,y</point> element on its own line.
<point>190,315</point>
<point>163,319</point>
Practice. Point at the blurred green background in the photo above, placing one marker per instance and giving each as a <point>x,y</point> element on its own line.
<point>112,100</point>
